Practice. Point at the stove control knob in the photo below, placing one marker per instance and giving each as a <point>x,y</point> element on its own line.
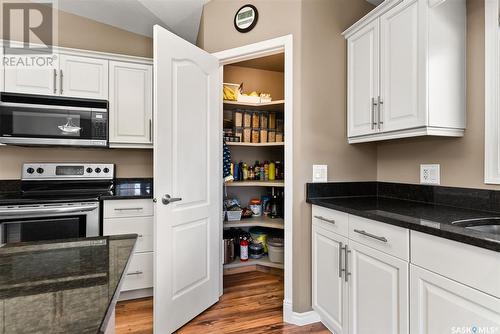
<point>97,170</point>
<point>89,170</point>
<point>106,170</point>
<point>39,170</point>
<point>30,170</point>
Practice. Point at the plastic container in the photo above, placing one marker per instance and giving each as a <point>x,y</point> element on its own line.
<point>280,125</point>
<point>279,137</point>
<point>276,250</point>
<point>263,120</point>
<point>256,251</point>
<point>263,135</point>
<point>247,135</point>
<point>256,119</point>
<point>255,136</point>
<point>256,207</point>
<point>233,215</point>
<point>238,118</point>
<point>259,236</point>
<point>271,136</point>
<point>247,119</point>
<point>272,120</point>
<point>238,133</point>
<point>234,89</point>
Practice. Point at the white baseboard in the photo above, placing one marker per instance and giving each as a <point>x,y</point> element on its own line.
<point>135,294</point>
<point>296,318</point>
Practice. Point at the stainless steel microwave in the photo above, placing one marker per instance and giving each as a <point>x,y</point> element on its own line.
<point>50,120</point>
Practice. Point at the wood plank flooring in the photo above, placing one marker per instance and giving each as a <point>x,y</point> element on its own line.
<point>252,303</point>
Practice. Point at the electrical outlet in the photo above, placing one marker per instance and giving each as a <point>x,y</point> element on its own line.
<point>320,173</point>
<point>430,174</point>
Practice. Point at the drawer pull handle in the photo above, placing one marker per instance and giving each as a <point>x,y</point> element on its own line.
<point>340,260</point>
<point>363,232</point>
<point>138,272</point>
<point>128,209</point>
<point>331,221</point>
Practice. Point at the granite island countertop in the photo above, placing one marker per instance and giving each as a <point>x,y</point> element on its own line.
<point>62,286</point>
<point>381,203</point>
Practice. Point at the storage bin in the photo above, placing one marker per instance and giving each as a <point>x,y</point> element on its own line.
<point>279,137</point>
<point>271,136</point>
<point>247,119</point>
<point>272,120</point>
<point>263,135</point>
<point>247,135</point>
<point>238,118</point>
<point>233,215</point>
<point>255,136</point>
<point>235,88</point>
<point>276,250</point>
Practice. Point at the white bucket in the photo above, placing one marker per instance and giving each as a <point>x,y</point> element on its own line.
<point>276,250</point>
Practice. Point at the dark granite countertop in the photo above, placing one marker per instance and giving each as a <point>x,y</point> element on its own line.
<point>428,217</point>
<point>131,188</point>
<point>63,286</point>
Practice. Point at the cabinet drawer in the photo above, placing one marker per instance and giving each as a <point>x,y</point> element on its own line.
<point>140,272</point>
<point>331,220</point>
<point>476,267</point>
<point>387,238</point>
<point>143,226</point>
<point>128,208</point>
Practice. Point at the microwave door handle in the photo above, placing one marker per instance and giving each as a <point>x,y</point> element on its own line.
<point>39,211</point>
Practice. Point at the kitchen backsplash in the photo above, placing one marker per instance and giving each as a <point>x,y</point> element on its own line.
<point>129,162</point>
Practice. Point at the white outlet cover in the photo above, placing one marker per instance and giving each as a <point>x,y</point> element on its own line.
<point>320,173</point>
<point>430,174</point>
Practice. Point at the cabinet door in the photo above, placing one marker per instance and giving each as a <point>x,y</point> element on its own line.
<point>440,305</point>
<point>130,103</point>
<point>402,60</point>
<point>363,80</point>
<point>329,287</point>
<point>378,292</point>
<point>30,80</point>
<point>83,77</point>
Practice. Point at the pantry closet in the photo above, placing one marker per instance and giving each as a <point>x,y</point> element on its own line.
<point>254,190</point>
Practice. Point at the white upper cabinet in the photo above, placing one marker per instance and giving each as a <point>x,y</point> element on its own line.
<point>363,74</point>
<point>412,82</point>
<point>31,81</point>
<point>130,104</point>
<point>83,77</point>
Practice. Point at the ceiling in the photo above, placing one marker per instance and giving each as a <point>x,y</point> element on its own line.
<point>181,17</point>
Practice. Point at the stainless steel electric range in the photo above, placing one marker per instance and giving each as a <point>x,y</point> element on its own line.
<point>55,201</point>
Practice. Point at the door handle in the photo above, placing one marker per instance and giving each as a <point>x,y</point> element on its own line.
<point>150,130</point>
<point>380,103</point>
<point>331,221</point>
<point>346,264</point>
<point>374,104</point>
<point>363,232</point>
<point>61,81</point>
<point>138,272</point>
<point>340,260</point>
<point>55,81</point>
<point>167,199</point>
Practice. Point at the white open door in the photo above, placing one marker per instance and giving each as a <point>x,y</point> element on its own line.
<point>187,180</point>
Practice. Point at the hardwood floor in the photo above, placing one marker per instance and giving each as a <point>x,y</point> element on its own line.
<point>252,303</point>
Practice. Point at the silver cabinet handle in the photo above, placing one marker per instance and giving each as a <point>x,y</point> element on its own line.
<point>150,130</point>
<point>340,260</point>
<point>128,209</point>
<point>167,199</point>
<point>380,103</point>
<point>346,269</point>
<point>331,221</point>
<point>374,104</point>
<point>138,272</point>
<point>55,81</point>
<point>363,232</point>
<point>61,81</point>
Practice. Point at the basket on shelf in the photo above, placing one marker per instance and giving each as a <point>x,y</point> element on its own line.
<point>234,215</point>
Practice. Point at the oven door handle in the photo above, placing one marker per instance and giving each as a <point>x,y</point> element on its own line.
<point>43,211</point>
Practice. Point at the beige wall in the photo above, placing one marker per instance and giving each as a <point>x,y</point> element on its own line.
<point>272,82</point>
<point>81,33</point>
<point>461,159</point>
<point>319,98</point>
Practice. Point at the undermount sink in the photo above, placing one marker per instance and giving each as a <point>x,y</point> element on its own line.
<point>487,225</point>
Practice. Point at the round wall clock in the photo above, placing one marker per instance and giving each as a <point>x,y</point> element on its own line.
<point>246,18</point>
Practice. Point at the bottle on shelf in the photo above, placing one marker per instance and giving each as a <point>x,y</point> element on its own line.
<point>272,171</point>
<point>243,250</point>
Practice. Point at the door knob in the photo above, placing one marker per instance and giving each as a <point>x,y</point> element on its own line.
<point>167,199</point>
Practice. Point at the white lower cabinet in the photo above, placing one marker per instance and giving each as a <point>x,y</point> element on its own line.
<point>133,216</point>
<point>441,305</point>
<point>329,288</point>
<point>371,277</point>
<point>378,292</point>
